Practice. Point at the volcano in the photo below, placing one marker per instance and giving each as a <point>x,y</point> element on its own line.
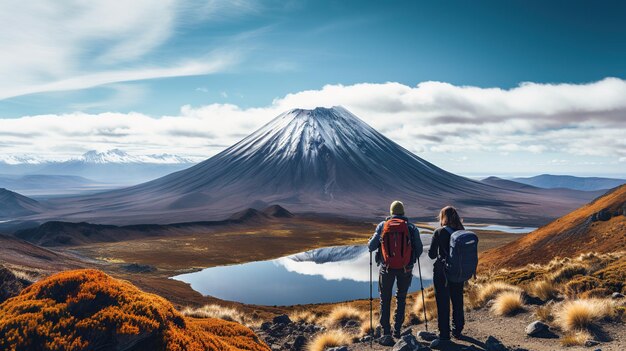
<point>323,161</point>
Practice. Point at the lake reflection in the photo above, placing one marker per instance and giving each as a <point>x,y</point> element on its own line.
<point>330,274</point>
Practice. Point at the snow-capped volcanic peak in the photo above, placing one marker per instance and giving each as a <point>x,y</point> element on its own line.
<point>109,156</point>
<point>308,134</point>
<point>21,159</point>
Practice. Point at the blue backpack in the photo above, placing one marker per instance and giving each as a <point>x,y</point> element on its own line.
<point>462,258</point>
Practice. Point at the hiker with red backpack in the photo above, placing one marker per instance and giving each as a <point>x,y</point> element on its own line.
<point>456,252</point>
<point>399,246</point>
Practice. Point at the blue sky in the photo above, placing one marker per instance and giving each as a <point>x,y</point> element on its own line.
<point>163,58</point>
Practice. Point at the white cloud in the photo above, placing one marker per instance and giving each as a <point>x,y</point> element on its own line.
<point>559,119</point>
<point>106,77</point>
<point>67,45</point>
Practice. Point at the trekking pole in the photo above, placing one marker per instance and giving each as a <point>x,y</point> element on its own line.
<point>371,308</point>
<point>419,269</point>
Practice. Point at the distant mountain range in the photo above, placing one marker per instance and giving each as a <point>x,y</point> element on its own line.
<point>550,181</point>
<point>113,166</point>
<point>45,184</point>
<point>323,161</point>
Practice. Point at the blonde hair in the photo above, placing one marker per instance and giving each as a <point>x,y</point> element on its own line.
<point>448,216</point>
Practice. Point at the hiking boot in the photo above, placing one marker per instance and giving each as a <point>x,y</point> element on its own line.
<point>386,340</point>
<point>439,344</point>
<point>397,334</point>
<point>457,334</point>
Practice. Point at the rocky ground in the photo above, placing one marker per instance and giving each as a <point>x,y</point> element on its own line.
<point>483,331</point>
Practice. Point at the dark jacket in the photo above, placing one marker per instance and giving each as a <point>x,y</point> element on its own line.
<point>440,244</point>
<point>416,242</point>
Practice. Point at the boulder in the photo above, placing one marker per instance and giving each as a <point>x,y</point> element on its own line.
<point>590,343</point>
<point>282,319</point>
<point>298,343</point>
<point>538,329</point>
<point>493,344</point>
<point>266,325</point>
<point>406,343</point>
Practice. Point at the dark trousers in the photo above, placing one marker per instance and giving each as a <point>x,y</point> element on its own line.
<point>386,279</point>
<point>444,294</point>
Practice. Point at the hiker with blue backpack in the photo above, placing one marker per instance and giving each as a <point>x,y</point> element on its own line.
<point>456,252</point>
<point>399,246</point>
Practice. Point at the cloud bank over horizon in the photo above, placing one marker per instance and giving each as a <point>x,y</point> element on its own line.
<point>430,119</point>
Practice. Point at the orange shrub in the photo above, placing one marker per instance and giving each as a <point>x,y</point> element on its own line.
<point>87,309</point>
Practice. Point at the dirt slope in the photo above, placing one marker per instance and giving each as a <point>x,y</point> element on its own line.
<point>599,226</point>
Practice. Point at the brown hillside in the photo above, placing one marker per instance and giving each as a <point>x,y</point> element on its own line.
<point>89,310</point>
<point>599,226</point>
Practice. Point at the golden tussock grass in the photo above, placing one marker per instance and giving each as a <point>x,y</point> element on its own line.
<point>613,276</point>
<point>508,303</point>
<point>366,328</point>
<point>545,313</point>
<point>303,316</point>
<point>220,312</point>
<point>471,298</point>
<point>418,307</point>
<point>342,314</point>
<point>582,314</point>
<point>577,338</point>
<point>331,338</point>
<point>543,289</point>
<point>567,272</point>
<point>489,291</point>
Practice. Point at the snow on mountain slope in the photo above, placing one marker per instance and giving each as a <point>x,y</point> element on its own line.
<point>119,156</point>
<point>321,160</point>
<point>96,157</point>
<point>112,166</point>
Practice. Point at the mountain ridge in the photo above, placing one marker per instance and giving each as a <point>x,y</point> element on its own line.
<point>550,181</point>
<point>599,226</point>
<point>13,204</point>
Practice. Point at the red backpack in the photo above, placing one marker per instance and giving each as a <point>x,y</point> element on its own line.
<point>396,245</point>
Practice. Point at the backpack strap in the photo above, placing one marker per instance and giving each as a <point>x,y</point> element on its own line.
<point>445,248</point>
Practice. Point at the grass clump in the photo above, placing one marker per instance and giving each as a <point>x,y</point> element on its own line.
<point>220,312</point>
<point>582,314</point>
<point>544,290</point>
<point>567,272</point>
<point>577,338</point>
<point>342,314</point>
<point>490,290</point>
<point>545,313</point>
<point>303,316</point>
<point>331,338</point>
<point>580,284</point>
<point>508,303</point>
<point>613,276</point>
<point>418,307</point>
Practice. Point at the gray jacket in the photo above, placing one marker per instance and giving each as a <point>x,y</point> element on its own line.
<point>416,242</point>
